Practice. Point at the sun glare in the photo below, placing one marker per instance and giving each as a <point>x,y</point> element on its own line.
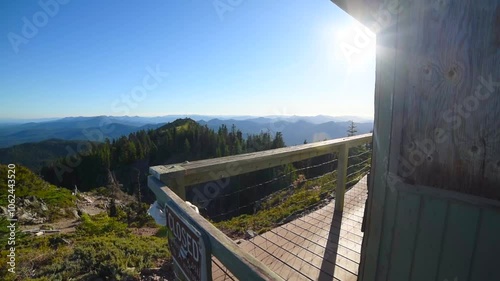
<point>354,44</point>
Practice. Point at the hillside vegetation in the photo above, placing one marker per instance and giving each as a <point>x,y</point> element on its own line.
<point>30,189</point>
<point>36,155</point>
<point>102,247</point>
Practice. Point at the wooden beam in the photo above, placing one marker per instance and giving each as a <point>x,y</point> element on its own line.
<point>449,195</point>
<point>240,263</point>
<point>223,167</point>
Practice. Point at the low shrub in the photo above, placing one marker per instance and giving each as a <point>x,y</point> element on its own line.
<point>102,247</point>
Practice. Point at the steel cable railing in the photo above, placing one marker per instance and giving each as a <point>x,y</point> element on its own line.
<point>291,240</point>
<point>284,216</point>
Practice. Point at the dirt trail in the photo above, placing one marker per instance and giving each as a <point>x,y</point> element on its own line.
<point>91,205</point>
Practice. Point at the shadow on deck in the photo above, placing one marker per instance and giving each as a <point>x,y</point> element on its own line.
<point>323,245</point>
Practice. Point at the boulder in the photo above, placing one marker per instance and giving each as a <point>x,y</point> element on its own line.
<point>75,214</point>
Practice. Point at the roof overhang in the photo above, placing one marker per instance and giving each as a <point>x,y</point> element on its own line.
<point>371,13</point>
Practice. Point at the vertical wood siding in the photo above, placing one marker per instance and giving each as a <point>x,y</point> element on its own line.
<point>437,108</point>
<point>446,129</point>
<point>436,239</point>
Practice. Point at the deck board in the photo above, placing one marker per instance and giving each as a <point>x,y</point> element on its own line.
<point>321,245</point>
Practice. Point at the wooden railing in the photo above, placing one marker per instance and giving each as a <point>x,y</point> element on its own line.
<point>169,183</point>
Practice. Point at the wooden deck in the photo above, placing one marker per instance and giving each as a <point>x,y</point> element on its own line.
<point>323,245</point>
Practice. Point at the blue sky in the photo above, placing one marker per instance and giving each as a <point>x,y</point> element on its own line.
<point>150,58</point>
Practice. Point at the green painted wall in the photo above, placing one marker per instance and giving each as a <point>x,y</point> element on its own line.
<point>439,236</point>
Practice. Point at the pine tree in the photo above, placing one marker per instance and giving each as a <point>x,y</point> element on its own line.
<point>351,130</point>
<point>278,141</point>
<point>112,208</point>
<point>139,194</point>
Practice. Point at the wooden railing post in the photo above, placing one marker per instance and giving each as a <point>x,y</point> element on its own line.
<point>173,177</point>
<point>343,156</point>
<point>179,187</point>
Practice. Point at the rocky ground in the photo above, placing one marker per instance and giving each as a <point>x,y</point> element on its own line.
<point>31,211</point>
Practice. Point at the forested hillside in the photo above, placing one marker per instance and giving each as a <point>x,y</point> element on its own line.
<point>35,155</point>
<point>128,158</point>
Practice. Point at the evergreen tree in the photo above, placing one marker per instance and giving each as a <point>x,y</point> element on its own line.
<point>278,141</point>
<point>351,130</point>
<point>113,212</point>
<point>359,156</point>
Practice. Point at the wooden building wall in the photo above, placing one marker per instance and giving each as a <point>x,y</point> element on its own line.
<point>434,235</point>
<point>433,211</point>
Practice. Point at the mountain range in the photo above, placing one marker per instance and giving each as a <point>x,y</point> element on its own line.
<point>295,129</point>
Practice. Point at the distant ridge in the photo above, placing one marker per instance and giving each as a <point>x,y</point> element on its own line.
<point>169,118</point>
<point>294,132</point>
<point>79,128</point>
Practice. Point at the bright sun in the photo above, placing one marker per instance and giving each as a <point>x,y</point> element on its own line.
<point>355,44</point>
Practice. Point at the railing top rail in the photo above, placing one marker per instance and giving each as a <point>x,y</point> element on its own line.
<point>216,168</point>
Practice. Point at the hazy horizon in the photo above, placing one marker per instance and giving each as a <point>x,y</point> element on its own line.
<point>27,120</point>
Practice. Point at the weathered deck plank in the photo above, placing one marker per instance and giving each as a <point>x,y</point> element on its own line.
<point>322,245</point>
